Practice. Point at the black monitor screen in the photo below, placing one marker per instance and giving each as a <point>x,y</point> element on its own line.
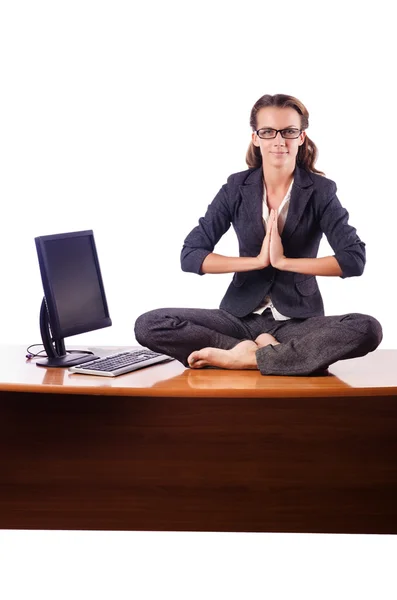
<point>72,282</point>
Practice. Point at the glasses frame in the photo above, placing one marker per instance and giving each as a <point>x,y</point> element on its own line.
<point>281,131</point>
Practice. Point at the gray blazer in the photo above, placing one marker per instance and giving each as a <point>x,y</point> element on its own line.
<point>314,209</point>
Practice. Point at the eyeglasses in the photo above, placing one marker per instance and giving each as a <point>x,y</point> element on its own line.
<point>269,134</point>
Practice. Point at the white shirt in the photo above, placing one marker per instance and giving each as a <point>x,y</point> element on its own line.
<point>282,212</point>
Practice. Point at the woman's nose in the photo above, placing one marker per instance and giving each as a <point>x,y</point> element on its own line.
<point>279,140</point>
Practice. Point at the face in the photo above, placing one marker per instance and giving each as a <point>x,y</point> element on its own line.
<point>279,153</point>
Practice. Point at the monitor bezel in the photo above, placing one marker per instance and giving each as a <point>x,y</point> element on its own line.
<point>56,330</point>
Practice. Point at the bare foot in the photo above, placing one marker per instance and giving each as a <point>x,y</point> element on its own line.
<point>242,356</point>
<point>264,339</point>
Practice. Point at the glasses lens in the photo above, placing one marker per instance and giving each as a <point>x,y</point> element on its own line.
<point>290,134</point>
<point>267,134</point>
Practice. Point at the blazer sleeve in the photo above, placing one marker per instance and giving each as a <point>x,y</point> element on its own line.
<point>202,239</point>
<point>348,248</point>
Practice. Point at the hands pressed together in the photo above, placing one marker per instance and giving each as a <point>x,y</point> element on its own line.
<point>272,251</point>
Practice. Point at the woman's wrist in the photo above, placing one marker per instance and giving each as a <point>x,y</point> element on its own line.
<point>217,263</point>
<point>324,266</point>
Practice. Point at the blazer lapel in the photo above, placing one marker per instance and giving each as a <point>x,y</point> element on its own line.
<point>301,191</point>
<point>252,194</point>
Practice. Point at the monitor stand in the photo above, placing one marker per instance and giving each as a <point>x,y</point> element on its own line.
<point>69,360</point>
<point>55,349</point>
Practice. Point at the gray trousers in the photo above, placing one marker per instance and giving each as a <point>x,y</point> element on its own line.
<point>306,346</point>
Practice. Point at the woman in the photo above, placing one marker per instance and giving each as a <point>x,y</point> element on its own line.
<point>271,317</point>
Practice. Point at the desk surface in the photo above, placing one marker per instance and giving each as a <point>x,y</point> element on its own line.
<point>372,375</point>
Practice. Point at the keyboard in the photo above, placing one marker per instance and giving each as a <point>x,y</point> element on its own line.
<point>122,362</point>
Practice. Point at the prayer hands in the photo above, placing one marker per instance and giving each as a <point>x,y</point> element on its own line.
<point>272,251</point>
<point>276,246</point>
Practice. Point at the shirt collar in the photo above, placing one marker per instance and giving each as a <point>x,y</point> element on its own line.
<point>283,203</point>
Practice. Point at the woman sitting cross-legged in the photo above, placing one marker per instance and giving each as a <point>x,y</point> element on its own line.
<point>272,315</point>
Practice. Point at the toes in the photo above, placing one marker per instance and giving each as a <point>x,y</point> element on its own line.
<point>196,360</point>
<point>192,358</point>
<point>198,364</point>
<point>265,339</point>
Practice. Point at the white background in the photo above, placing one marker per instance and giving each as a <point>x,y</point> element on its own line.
<point>126,118</point>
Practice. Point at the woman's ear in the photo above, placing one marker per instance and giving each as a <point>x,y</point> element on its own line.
<point>302,138</point>
<point>255,140</point>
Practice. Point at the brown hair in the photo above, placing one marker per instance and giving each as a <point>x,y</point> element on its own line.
<point>307,153</point>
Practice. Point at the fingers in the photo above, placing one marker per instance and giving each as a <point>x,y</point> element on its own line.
<point>272,216</point>
<point>274,220</point>
<point>270,223</point>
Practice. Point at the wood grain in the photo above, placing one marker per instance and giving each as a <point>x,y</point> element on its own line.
<point>198,464</point>
<point>168,448</point>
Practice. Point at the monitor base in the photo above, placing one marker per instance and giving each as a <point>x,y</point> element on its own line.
<point>69,360</point>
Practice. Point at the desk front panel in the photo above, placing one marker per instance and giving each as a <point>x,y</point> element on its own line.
<point>198,464</point>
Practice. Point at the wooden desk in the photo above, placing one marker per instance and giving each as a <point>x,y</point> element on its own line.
<point>168,448</point>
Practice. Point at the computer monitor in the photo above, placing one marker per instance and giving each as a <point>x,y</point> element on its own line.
<point>74,296</point>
